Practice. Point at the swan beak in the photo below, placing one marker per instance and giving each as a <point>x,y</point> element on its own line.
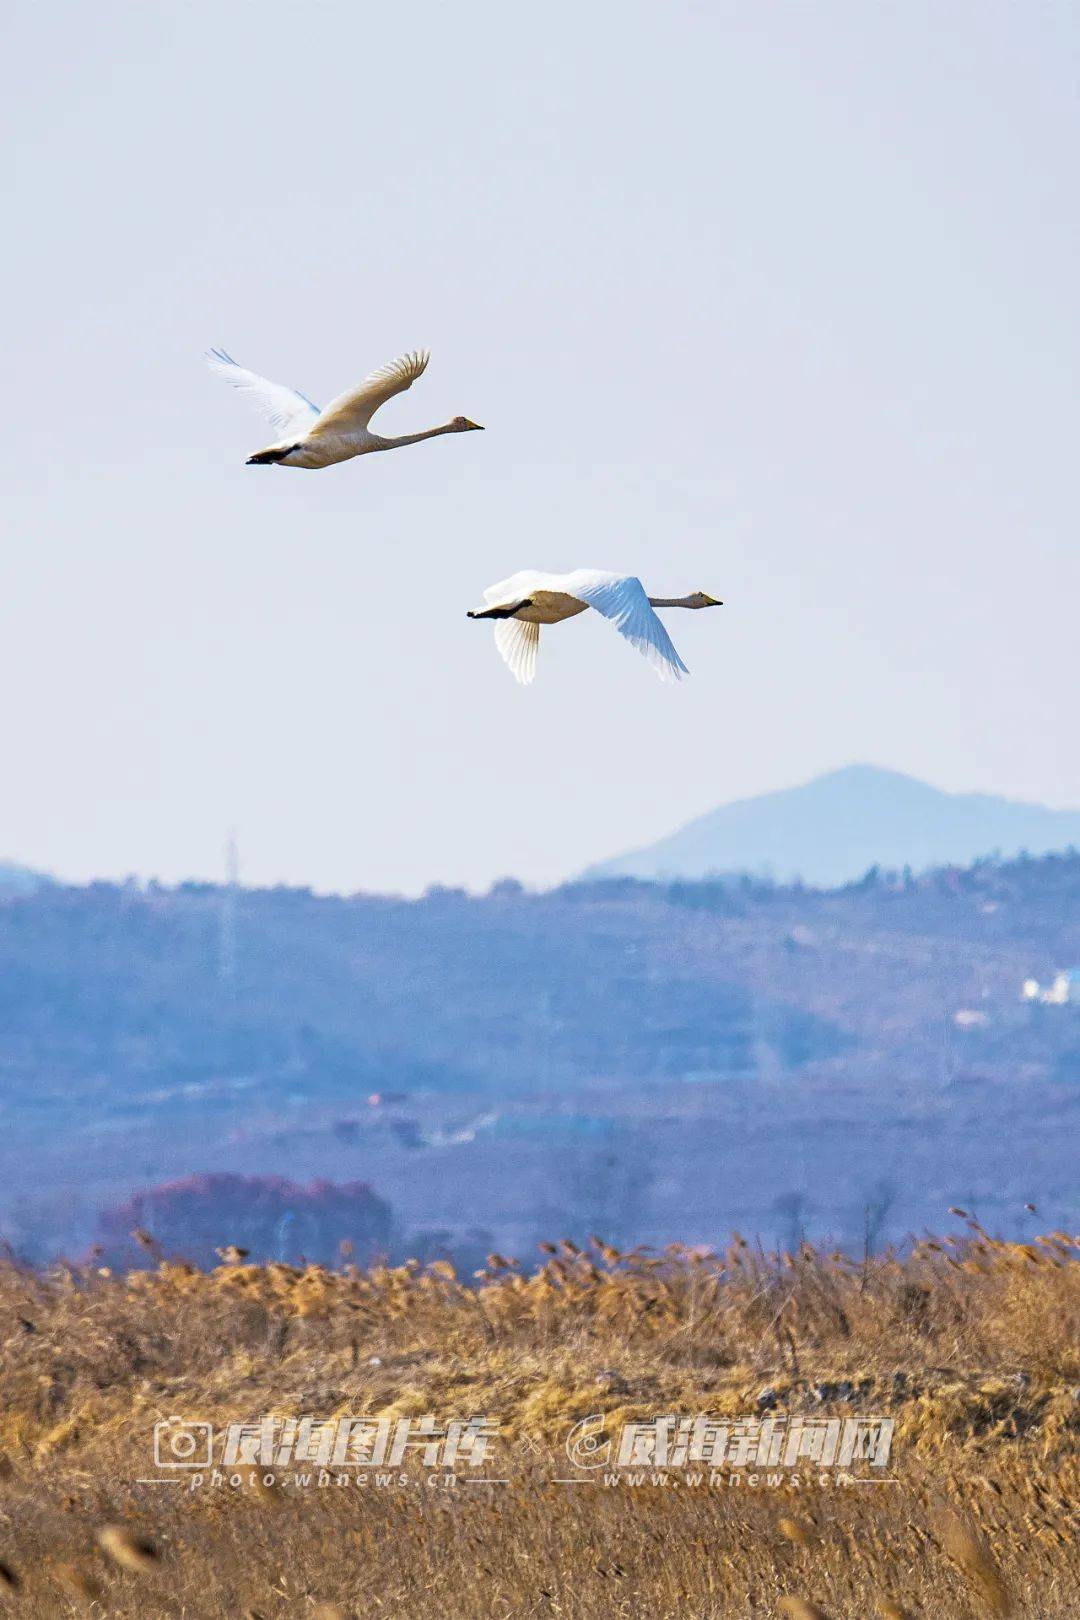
<point>712,601</point>
<point>473,427</point>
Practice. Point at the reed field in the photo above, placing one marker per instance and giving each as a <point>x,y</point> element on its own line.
<point>971,1346</point>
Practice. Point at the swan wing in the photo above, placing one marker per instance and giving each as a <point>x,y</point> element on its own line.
<point>352,411</point>
<point>285,408</point>
<point>622,599</point>
<point>518,642</point>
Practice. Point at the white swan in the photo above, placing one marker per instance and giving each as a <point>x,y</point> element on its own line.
<point>309,437</point>
<point>522,603</point>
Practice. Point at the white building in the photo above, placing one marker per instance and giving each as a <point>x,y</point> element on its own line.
<point>1063,991</point>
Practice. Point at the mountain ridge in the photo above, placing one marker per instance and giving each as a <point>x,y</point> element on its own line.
<point>833,828</point>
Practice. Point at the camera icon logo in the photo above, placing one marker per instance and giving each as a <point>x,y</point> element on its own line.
<point>180,1444</point>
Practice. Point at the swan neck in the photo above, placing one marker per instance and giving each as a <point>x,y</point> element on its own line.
<point>671,601</point>
<point>415,438</point>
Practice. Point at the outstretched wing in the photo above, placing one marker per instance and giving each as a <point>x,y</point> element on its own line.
<point>518,642</point>
<point>622,599</point>
<point>285,408</point>
<point>351,412</point>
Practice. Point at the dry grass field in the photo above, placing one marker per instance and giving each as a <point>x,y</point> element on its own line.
<point>972,1346</point>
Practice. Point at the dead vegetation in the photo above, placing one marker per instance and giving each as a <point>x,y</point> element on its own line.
<point>971,1345</point>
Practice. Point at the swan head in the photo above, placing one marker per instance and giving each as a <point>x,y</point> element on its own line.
<point>461,424</point>
<point>701,599</point>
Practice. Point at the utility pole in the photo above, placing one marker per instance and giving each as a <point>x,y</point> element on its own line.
<point>227,914</point>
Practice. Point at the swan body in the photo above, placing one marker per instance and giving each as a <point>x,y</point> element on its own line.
<point>521,604</point>
<point>310,437</point>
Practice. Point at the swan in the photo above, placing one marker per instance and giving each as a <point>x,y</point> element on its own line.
<point>309,437</point>
<point>525,601</point>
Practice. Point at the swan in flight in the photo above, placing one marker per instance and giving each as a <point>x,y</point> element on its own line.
<point>522,603</point>
<point>308,437</point>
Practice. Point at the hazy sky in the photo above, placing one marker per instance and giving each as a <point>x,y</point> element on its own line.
<point>773,300</point>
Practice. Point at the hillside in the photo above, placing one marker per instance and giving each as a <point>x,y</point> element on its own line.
<point>654,1062</point>
<point>833,829</point>
<point>16,879</point>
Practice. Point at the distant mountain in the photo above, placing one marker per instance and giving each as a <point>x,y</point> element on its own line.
<point>16,880</point>
<point>836,827</point>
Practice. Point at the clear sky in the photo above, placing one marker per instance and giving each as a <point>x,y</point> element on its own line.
<point>773,300</point>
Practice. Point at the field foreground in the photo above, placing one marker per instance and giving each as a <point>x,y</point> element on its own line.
<point>971,1347</point>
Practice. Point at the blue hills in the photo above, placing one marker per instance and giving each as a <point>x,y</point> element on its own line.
<point>831,830</point>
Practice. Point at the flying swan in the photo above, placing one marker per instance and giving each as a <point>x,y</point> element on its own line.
<point>309,437</point>
<point>522,603</point>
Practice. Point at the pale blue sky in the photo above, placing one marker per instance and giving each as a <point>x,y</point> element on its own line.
<point>773,300</point>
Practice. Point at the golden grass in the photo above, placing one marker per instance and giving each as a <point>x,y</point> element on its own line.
<point>971,1345</point>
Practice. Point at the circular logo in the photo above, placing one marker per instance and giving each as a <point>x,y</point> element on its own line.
<point>587,1444</point>
<point>182,1443</point>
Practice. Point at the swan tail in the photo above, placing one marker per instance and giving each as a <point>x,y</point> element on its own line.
<point>267,458</point>
<point>506,611</point>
